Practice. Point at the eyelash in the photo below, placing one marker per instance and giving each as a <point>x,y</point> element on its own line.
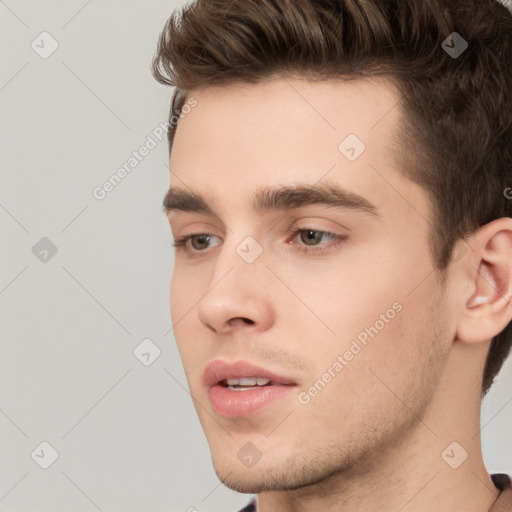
<point>181,242</point>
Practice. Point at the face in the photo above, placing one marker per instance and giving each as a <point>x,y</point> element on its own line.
<point>332,294</point>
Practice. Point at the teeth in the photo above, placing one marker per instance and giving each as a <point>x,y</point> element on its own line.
<point>248,381</point>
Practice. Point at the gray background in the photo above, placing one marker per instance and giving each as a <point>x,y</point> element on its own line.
<point>127,435</point>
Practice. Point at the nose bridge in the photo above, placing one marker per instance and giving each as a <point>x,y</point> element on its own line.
<point>236,288</point>
<point>249,253</point>
<point>240,264</point>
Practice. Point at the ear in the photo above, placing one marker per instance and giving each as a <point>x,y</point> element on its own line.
<point>487,307</point>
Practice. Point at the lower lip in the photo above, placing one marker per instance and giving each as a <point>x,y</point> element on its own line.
<point>238,404</point>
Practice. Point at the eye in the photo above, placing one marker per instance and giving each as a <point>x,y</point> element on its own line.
<point>198,241</point>
<point>310,241</point>
<point>313,237</point>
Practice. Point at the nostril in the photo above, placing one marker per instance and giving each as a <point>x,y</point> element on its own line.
<point>233,321</point>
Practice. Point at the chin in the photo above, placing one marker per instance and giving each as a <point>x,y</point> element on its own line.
<point>291,474</point>
<point>247,480</point>
<point>242,485</point>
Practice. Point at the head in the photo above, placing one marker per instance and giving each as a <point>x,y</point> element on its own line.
<point>371,122</point>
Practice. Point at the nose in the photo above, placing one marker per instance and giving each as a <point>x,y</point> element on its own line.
<point>238,296</point>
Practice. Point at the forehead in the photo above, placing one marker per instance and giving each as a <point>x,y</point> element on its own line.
<point>332,104</point>
<point>242,137</point>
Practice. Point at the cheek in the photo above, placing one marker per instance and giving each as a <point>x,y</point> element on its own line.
<point>182,300</point>
<point>177,301</point>
<point>374,315</point>
<point>392,367</point>
<point>185,292</point>
<point>346,296</point>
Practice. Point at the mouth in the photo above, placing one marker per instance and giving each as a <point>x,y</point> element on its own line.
<point>242,389</point>
<point>241,374</point>
<point>246,383</point>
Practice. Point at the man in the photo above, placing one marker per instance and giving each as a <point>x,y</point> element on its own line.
<point>340,205</point>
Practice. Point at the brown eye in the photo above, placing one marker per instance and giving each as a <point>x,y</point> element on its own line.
<point>311,241</point>
<point>311,236</point>
<point>202,242</point>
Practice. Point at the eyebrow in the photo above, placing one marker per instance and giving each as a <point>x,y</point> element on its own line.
<point>278,198</point>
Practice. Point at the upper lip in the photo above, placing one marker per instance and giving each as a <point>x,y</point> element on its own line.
<point>217,371</point>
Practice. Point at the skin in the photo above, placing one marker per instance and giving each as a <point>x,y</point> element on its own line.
<point>373,437</point>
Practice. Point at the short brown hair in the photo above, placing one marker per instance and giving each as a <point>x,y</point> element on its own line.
<point>458,107</point>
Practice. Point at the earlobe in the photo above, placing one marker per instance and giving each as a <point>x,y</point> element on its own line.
<point>477,300</point>
<point>488,310</point>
